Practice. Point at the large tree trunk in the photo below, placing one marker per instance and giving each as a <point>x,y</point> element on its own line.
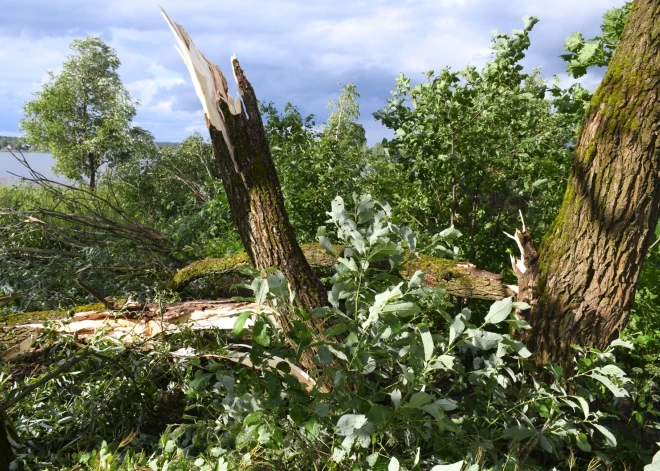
<point>581,286</point>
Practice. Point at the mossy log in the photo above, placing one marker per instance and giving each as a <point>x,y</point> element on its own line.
<point>461,279</point>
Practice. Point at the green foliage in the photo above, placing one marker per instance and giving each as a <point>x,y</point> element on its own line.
<point>83,114</point>
<point>147,217</point>
<point>342,122</point>
<point>178,190</point>
<point>43,249</point>
<point>314,166</point>
<point>416,382</point>
<point>413,386</point>
<point>480,146</point>
<point>598,51</point>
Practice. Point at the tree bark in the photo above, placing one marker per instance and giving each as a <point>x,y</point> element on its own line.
<point>248,173</point>
<point>581,284</point>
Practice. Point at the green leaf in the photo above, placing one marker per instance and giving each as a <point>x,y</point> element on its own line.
<point>240,322</point>
<point>403,309</point>
<point>379,414</point>
<point>327,245</point>
<point>582,442</point>
<point>518,324</point>
<point>613,370</point>
<point>520,305</point>
<point>313,428</point>
<point>518,432</point>
<point>418,399</point>
<point>416,280</point>
<point>380,301</point>
<point>395,395</point>
<point>260,333</point>
<point>322,409</point>
<point>529,22</point>
<point>260,287</point>
<point>321,312</point>
<point>427,342</point>
<point>518,347</point>
<point>278,285</point>
<point>347,423</point>
<point>574,42</point>
<point>499,311</point>
<point>622,343</point>
<point>335,330</point>
<point>616,390</point>
<point>484,340</point>
<point>585,406</point>
<point>443,362</point>
<point>609,438</point>
<point>323,356</point>
<point>253,418</point>
<point>447,405</point>
<point>456,328</point>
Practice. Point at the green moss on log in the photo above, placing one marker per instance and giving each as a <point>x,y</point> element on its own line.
<point>317,257</point>
<point>460,278</point>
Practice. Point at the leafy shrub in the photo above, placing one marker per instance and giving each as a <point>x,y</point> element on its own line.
<point>401,384</point>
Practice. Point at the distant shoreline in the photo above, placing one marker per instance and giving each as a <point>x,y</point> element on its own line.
<point>26,151</point>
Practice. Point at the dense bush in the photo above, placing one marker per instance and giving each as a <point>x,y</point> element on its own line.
<point>413,386</point>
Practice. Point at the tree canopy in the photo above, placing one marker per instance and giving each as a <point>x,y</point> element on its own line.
<point>84,113</point>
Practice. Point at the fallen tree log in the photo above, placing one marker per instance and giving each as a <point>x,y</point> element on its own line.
<point>461,279</point>
<point>143,327</point>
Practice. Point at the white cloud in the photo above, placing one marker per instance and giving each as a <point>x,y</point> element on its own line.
<point>292,50</point>
<point>146,89</point>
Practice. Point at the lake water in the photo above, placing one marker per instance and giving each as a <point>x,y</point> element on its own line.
<point>41,162</point>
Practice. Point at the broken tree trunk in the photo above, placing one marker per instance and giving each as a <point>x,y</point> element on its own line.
<point>581,284</point>
<point>137,324</point>
<point>461,279</point>
<point>248,172</point>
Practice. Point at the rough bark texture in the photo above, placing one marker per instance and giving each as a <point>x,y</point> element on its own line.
<point>248,173</point>
<point>461,279</point>
<point>582,285</point>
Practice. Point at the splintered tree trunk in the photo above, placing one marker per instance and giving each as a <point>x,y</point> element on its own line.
<point>581,285</point>
<point>248,172</point>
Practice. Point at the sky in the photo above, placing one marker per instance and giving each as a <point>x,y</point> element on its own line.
<point>292,51</point>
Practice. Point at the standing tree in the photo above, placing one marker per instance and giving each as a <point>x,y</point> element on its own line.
<point>581,285</point>
<point>479,145</point>
<point>82,115</point>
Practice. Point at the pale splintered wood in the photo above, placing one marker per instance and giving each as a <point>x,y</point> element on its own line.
<point>132,327</point>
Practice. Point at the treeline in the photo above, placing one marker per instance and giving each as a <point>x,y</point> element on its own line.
<point>15,143</point>
<point>18,143</point>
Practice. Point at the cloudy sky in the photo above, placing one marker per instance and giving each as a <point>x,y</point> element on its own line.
<point>297,51</point>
